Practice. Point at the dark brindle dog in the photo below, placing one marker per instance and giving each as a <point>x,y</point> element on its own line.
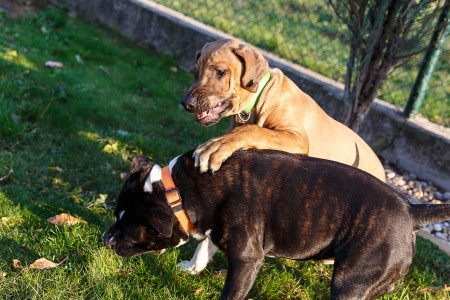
<point>270,203</point>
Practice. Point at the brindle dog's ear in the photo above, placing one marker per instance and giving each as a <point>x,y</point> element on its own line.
<point>141,164</point>
<point>162,222</point>
<point>254,67</point>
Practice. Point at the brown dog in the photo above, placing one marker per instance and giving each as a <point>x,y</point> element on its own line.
<point>270,111</point>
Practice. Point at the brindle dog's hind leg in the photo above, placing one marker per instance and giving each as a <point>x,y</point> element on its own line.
<point>365,277</point>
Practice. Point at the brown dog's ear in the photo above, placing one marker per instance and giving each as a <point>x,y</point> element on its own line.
<point>255,66</point>
<point>197,56</point>
<point>195,67</point>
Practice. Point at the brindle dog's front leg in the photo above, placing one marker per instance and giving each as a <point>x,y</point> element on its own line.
<point>240,276</point>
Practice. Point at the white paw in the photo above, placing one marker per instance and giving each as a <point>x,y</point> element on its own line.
<point>188,267</point>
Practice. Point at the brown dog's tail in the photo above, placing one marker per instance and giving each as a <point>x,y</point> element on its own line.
<point>424,214</point>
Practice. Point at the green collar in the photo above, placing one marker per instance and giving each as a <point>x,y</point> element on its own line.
<point>255,98</point>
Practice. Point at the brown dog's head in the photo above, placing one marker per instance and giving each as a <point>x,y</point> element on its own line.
<point>227,72</point>
<point>144,220</point>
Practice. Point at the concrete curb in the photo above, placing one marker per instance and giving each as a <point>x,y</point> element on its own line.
<point>439,243</point>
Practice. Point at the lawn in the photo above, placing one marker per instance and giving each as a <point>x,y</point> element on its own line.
<point>308,32</point>
<point>68,134</point>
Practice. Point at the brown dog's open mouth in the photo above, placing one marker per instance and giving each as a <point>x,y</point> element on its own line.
<point>213,115</point>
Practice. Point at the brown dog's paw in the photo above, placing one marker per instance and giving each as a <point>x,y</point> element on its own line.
<point>211,155</point>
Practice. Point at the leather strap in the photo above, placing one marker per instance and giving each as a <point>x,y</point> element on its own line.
<point>174,200</point>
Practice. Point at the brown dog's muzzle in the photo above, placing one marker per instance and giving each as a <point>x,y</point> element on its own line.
<point>188,103</point>
<point>207,111</point>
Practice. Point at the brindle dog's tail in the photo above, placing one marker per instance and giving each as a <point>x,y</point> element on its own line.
<point>424,214</point>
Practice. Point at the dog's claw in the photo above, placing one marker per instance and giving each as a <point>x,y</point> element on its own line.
<point>197,159</point>
<point>203,165</point>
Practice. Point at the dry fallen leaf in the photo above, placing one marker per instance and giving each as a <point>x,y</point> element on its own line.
<point>123,176</point>
<point>198,291</point>
<point>111,148</point>
<point>55,168</point>
<point>43,263</point>
<point>17,264</point>
<point>53,64</point>
<point>100,201</point>
<point>57,181</point>
<point>220,273</point>
<point>7,176</point>
<point>79,59</point>
<point>104,70</point>
<point>64,219</point>
<point>446,288</point>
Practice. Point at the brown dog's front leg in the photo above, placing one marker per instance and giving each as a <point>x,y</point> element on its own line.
<point>211,154</point>
<point>240,277</point>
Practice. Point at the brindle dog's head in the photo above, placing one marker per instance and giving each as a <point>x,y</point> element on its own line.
<point>226,72</point>
<point>144,220</point>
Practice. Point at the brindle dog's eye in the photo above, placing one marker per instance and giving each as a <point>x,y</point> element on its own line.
<point>220,73</point>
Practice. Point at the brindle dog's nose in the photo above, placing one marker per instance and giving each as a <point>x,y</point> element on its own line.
<point>109,241</point>
<point>188,103</point>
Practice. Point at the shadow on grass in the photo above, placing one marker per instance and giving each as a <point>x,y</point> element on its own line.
<point>69,133</point>
<point>15,250</point>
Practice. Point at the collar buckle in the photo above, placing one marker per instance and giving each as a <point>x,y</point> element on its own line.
<point>173,198</point>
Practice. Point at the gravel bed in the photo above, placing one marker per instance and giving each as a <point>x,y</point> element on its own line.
<point>419,191</point>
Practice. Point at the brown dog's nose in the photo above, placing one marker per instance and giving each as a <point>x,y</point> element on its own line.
<point>188,103</point>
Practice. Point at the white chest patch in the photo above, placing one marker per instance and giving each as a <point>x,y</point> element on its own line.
<point>201,236</point>
<point>172,163</point>
<point>154,176</point>
<point>182,242</point>
<point>121,214</point>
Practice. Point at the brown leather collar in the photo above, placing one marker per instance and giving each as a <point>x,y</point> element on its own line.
<point>173,198</point>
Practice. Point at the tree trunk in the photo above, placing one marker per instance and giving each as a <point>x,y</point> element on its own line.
<point>384,34</point>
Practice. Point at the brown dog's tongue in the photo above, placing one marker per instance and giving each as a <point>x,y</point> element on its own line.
<point>204,115</point>
<point>210,113</point>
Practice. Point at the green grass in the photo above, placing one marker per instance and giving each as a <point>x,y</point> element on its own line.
<point>88,119</point>
<point>308,32</point>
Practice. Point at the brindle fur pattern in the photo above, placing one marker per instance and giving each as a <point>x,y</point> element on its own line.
<point>270,203</point>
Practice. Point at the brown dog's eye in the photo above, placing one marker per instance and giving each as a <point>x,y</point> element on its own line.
<point>220,73</point>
